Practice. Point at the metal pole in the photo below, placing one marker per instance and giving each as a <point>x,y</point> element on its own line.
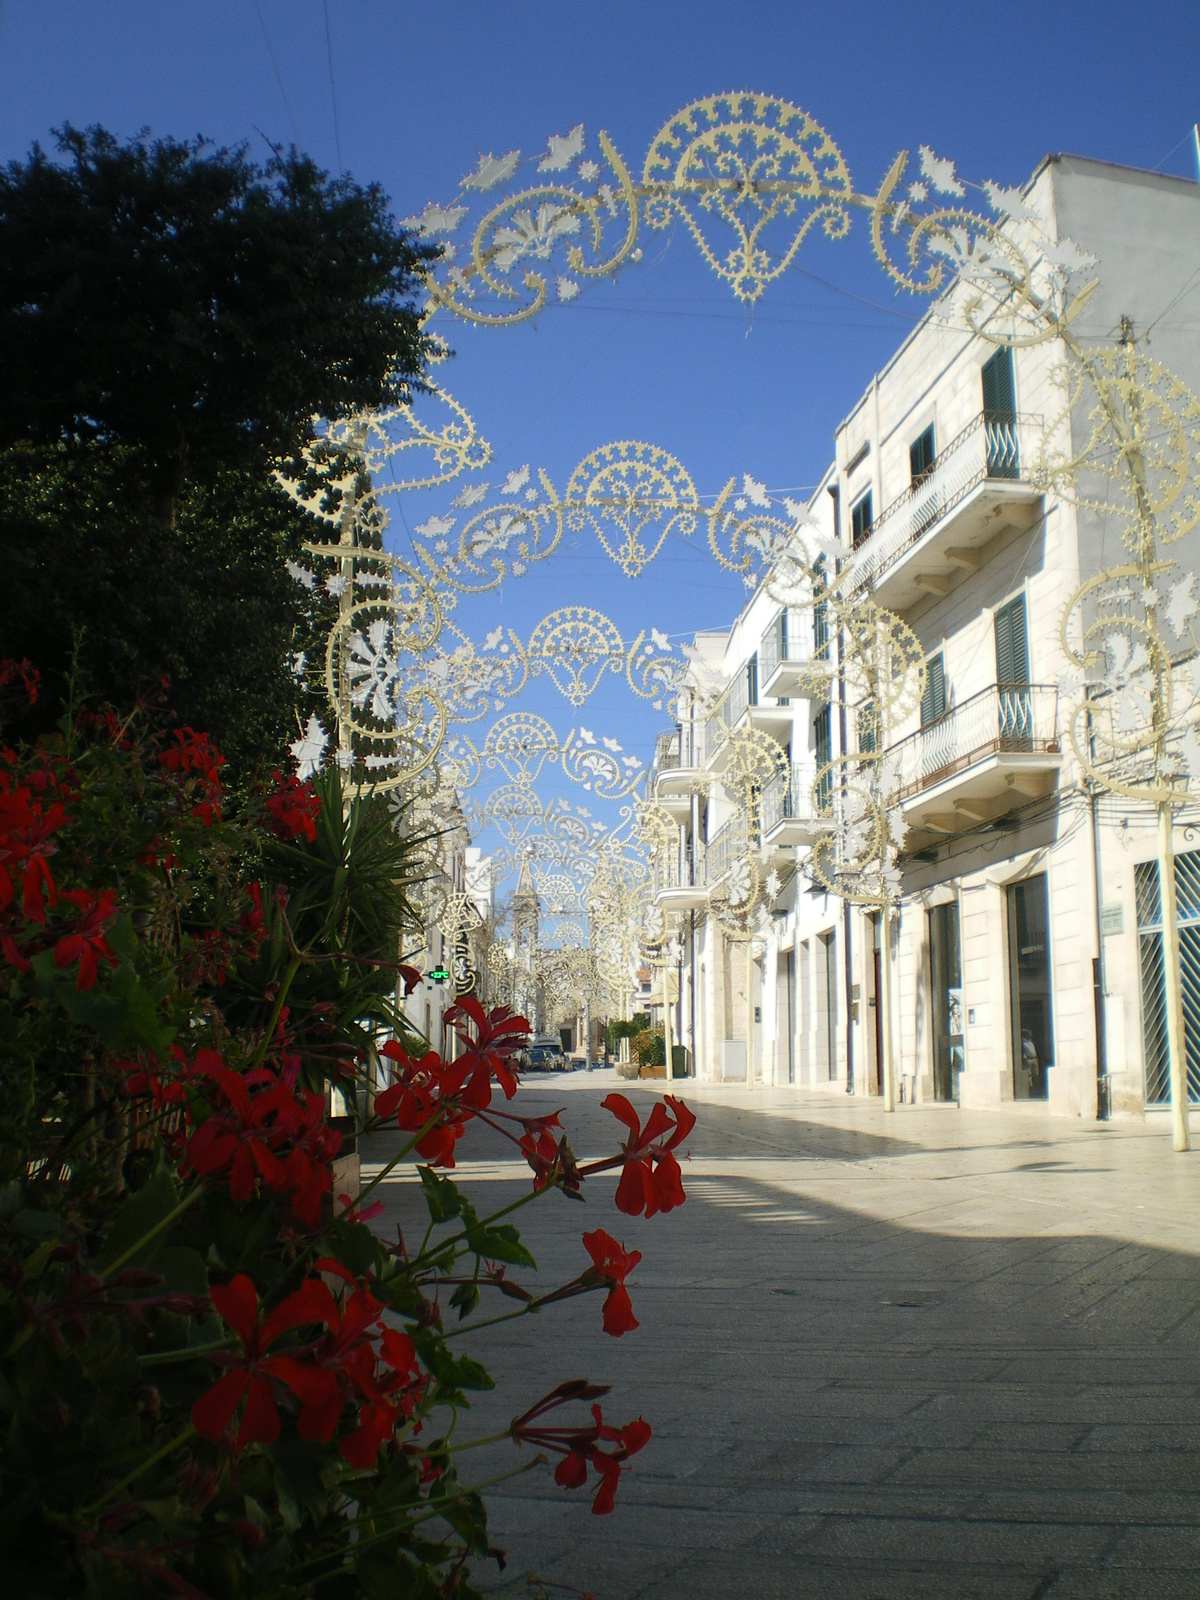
<point>749,1021</point>
<point>667,1073</point>
<point>1176,1051</point>
<point>885,974</point>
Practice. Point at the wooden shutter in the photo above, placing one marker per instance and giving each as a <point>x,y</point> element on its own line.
<point>999,395</point>
<point>921,456</point>
<point>821,737</point>
<point>933,701</point>
<point>1012,643</point>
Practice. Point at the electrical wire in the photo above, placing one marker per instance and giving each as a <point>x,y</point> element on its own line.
<point>337,132</point>
<point>275,68</point>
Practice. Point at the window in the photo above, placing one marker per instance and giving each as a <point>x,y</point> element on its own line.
<point>821,738</point>
<point>821,631</point>
<point>868,729</point>
<point>921,457</point>
<point>933,701</point>
<point>752,680</point>
<point>1012,643</point>
<point>998,392</point>
<point>1000,415</point>
<point>860,519</point>
<point>1012,669</point>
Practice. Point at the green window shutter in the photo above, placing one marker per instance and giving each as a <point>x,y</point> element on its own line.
<point>933,701</point>
<point>860,519</point>
<point>1012,643</point>
<point>999,394</point>
<point>868,729</point>
<point>821,737</point>
<point>921,455</point>
<point>752,680</point>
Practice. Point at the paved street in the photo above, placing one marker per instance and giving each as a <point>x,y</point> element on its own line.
<point>937,1354</point>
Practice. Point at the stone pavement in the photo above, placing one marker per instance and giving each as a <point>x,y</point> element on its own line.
<point>936,1354</point>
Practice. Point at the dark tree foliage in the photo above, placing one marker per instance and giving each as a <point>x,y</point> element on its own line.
<point>173,316</point>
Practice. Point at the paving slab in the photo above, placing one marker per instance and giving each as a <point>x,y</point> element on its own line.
<point>939,1354</point>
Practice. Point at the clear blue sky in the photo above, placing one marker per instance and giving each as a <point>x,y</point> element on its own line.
<point>419,87</point>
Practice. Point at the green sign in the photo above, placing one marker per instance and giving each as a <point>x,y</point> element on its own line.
<point>438,974</point>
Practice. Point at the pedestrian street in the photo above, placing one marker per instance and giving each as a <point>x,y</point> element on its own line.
<point>936,1353</point>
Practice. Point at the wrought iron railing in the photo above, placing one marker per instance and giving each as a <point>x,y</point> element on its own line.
<point>679,868</point>
<point>727,711</point>
<point>791,637</point>
<point>985,449</point>
<point>682,748</point>
<point>789,795</point>
<point>725,847</point>
<point>1007,718</point>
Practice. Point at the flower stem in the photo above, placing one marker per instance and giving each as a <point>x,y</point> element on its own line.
<point>163,1222</point>
<point>168,1449</point>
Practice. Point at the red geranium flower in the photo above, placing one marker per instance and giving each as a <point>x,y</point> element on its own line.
<point>580,1446</point>
<point>85,942</point>
<point>611,1263</point>
<point>650,1177</point>
<point>293,808</point>
<point>240,1138</point>
<point>259,1375</point>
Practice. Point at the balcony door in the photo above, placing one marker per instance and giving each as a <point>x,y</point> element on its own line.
<point>1012,674</point>
<point>926,500</point>
<point>1000,415</point>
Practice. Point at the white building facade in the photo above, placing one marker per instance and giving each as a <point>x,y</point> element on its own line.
<point>1024,953</point>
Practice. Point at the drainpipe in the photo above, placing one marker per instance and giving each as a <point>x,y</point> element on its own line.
<point>835,494</point>
<point>1099,981</point>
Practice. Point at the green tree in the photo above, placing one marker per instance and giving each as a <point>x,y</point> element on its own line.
<point>173,317</point>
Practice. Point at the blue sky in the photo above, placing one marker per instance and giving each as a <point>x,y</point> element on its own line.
<point>420,87</point>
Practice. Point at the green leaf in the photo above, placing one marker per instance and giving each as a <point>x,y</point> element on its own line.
<point>502,1243</point>
<point>141,1213</point>
<point>441,1195</point>
<point>36,1224</point>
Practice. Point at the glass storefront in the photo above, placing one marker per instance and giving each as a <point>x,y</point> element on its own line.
<point>945,972</point>
<point>1029,986</point>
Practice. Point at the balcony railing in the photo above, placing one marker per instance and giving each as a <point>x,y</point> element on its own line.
<point>727,711</point>
<point>725,847</point>
<point>792,637</point>
<point>790,795</point>
<point>682,748</point>
<point>677,869</point>
<point>985,450</point>
<point>1007,719</point>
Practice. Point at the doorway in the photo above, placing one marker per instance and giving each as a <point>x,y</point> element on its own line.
<point>945,980</point>
<point>1029,986</point>
<point>877,999</point>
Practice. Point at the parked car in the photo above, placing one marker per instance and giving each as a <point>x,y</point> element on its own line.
<point>546,1054</point>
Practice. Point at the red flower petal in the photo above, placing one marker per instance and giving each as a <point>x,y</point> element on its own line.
<point>260,1419</point>
<point>237,1304</point>
<point>571,1471</point>
<point>623,1111</point>
<point>212,1410</point>
<point>618,1312</point>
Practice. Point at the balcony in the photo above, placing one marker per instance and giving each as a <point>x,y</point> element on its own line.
<point>793,658</point>
<point>678,759</point>
<point>788,812</point>
<point>725,847</point>
<point>678,882</point>
<point>736,705</point>
<point>929,539</point>
<point>979,759</point>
